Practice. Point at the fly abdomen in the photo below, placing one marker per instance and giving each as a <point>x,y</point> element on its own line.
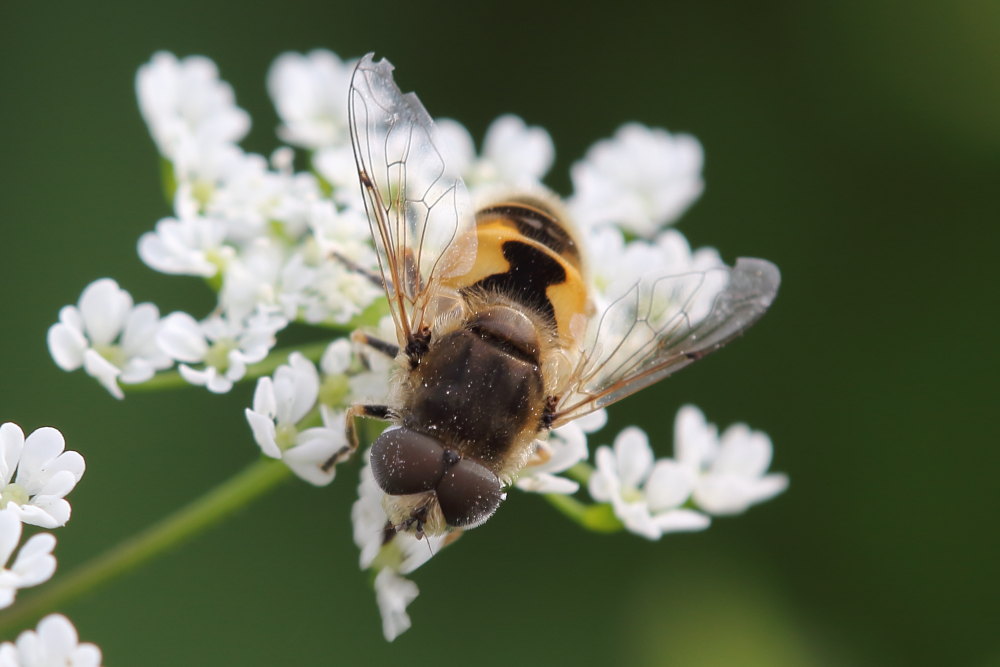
<point>534,221</point>
<point>526,256</point>
<point>532,271</point>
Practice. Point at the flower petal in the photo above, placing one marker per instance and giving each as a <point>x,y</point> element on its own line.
<point>520,153</point>
<point>669,485</point>
<point>11,445</point>
<point>263,433</point>
<point>743,452</point>
<point>41,448</point>
<point>543,482</point>
<point>35,562</point>
<point>58,635</point>
<point>104,371</point>
<point>66,345</point>
<point>681,520</point>
<point>694,438</point>
<point>394,594</point>
<point>10,535</point>
<point>456,143</point>
<point>603,484</point>
<point>181,337</point>
<point>104,307</point>
<point>634,456</point>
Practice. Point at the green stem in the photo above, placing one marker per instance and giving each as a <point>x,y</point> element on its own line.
<point>581,472</point>
<point>173,379</point>
<point>311,351</point>
<point>599,518</point>
<point>258,478</point>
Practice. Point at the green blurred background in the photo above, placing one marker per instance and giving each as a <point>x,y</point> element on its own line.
<point>856,144</point>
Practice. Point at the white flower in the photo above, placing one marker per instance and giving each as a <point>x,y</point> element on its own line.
<point>200,170</point>
<point>315,285</point>
<point>398,556</point>
<point>641,179</point>
<point>404,553</point>
<point>224,344</point>
<point>513,153</point>
<point>256,201</point>
<point>112,339</point>
<point>315,447</point>
<point>184,99</point>
<point>279,404</point>
<point>618,265</point>
<point>730,469</point>
<point>647,496</point>
<point>372,382</point>
<point>647,290</point>
<point>45,474</point>
<point>243,191</point>
<point>335,164</point>
<point>327,292</point>
<point>342,375</point>
<point>346,233</point>
<point>368,518</point>
<point>394,594</point>
<point>34,563</point>
<point>189,246</point>
<point>310,93</point>
<point>565,447</point>
<point>337,357</point>
<point>252,278</point>
<point>401,555</point>
<point>54,644</point>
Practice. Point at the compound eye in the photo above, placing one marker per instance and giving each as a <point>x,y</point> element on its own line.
<point>468,494</point>
<point>404,462</point>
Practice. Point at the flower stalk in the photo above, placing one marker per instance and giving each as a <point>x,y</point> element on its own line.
<point>599,517</point>
<point>173,379</point>
<point>255,480</point>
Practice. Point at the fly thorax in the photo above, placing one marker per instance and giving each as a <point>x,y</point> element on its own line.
<point>479,387</point>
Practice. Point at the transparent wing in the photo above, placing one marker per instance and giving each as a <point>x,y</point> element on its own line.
<point>421,219</point>
<point>661,324</point>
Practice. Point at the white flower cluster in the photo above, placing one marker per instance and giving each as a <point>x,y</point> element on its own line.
<point>265,236</point>
<point>298,413</point>
<point>640,180</point>
<point>564,448</point>
<point>710,475</point>
<point>391,559</point>
<point>36,473</point>
<point>110,337</point>
<point>260,233</point>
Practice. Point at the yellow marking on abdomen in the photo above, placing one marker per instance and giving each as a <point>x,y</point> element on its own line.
<point>526,271</point>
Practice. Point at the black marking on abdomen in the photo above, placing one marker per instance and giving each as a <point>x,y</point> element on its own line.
<point>531,273</point>
<point>538,226</point>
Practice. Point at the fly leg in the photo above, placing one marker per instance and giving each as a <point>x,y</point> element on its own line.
<point>371,276</point>
<point>542,453</point>
<point>351,432</point>
<point>390,350</point>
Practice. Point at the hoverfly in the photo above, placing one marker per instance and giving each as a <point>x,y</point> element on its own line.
<point>499,338</point>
